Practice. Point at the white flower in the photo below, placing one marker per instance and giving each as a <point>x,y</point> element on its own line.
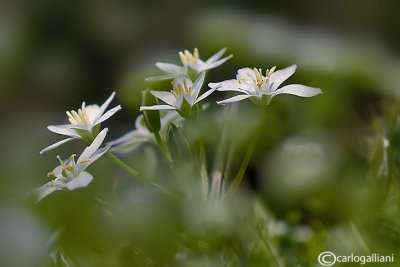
<point>261,89</point>
<point>82,123</point>
<point>191,61</point>
<point>182,97</point>
<point>141,134</point>
<point>70,175</point>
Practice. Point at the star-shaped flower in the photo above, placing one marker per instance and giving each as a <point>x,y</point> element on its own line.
<point>261,89</point>
<point>191,61</point>
<point>83,123</point>
<point>182,97</point>
<point>141,134</point>
<point>71,174</point>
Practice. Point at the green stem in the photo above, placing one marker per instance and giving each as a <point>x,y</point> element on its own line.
<point>239,176</point>
<point>250,149</point>
<point>163,148</point>
<point>121,164</point>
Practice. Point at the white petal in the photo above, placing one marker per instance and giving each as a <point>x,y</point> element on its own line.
<point>88,152</point>
<point>233,99</point>
<point>81,166</point>
<point>246,74</point>
<point>216,56</point>
<point>59,143</point>
<point>107,115</point>
<point>299,90</point>
<point>159,78</point>
<point>129,137</point>
<point>82,180</point>
<point>228,85</point>
<point>170,68</point>
<point>104,106</point>
<point>209,92</point>
<point>130,141</point>
<point>156,107</point>
<point>198,84</point>
<point>140,125</point>
<point>65,129</point>
<point>278,77</point>
<point>167,97</point>
<point>44,191</point>
<point>93,113</point>
<point>211,65</point>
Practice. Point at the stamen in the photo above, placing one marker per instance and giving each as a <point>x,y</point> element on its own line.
<point>76,116</point>
<point>50,174</point>
<point>189,57</point>
<point>85,160</point>
<point>71,118</point>
<point>52,183</point>
<point>60,160</point>
<point>196,55</point>
<point>183,58</point>
<point>73,157</point>
<point>242,79</point>
<point>271,71</point>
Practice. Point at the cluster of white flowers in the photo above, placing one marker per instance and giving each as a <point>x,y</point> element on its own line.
<point>180,101</point>
<point>85,125</point>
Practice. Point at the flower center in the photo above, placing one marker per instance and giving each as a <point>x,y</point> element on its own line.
<point>189,58</point>
<point>179,89</point>
<point>260,79</point>
<point>79,117</point>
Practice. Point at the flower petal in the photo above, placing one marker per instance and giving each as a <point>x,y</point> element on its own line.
<point>167,97</point>
<point>107,115</point>
<point>159,78</point>
<point>170,68</point>
<point>156,107</point>
<point>216,56</point>
<point>278,77</point>
<point>104,106</point>
<point>298,89</point>
<point>82,180</point>
<point>228,85</point>
<point>44,191</point>
<point>59,143</point>
<point>81,166</point>
<point>64,129</point>
<point>211,65</point>
<point>198,84</point>
<point>209,92</point>
<point>233,99</point>
<point>88,151</point>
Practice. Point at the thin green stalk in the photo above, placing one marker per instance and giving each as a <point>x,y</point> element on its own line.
<point>121,164</point>
<point>239,176</point>
<point>250,149</point>
<point>163,149</point>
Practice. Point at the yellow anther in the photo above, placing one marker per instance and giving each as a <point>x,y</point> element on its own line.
<point>183,58</point>
<point>71,118</point>
<point>60,160</point>
<point>85,160</point>
<point>73,157</point>
<point>196,54</point>
<point>189,58</point>
<point>76,116</point>
<point>50,174</point>
<point>52,183</point>
<point>241,80</point>
<point>271,71</point>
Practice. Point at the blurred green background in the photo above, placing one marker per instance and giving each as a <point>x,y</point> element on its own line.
<point>313,177</point>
